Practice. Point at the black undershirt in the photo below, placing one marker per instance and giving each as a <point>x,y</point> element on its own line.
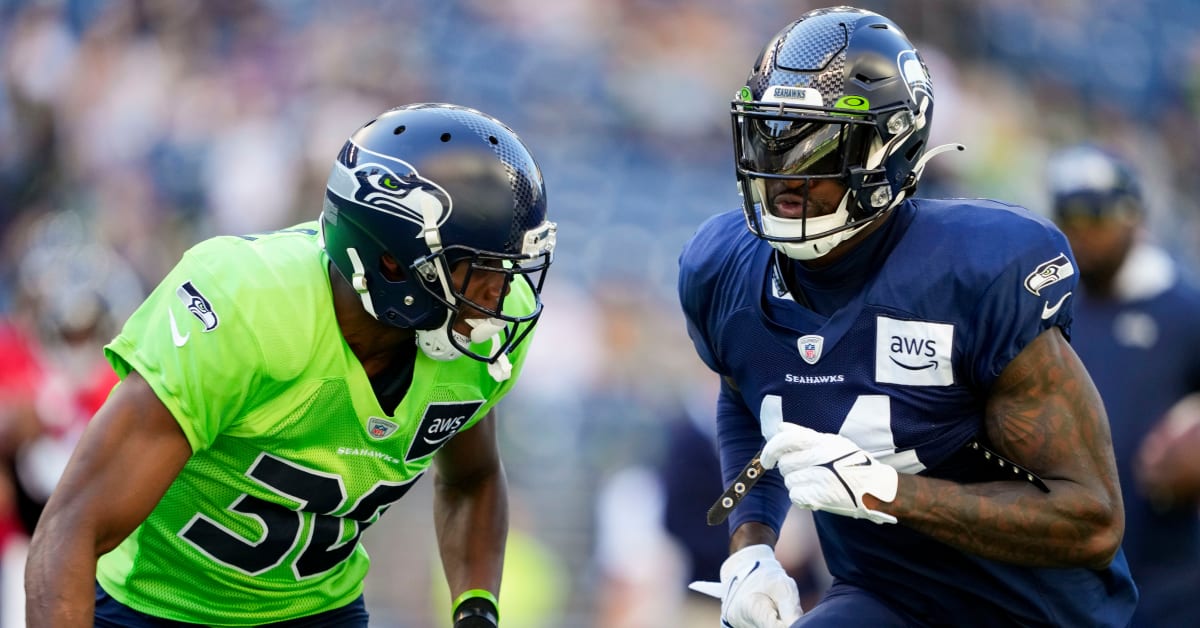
<point>391,384</point>
<point>825,290</point>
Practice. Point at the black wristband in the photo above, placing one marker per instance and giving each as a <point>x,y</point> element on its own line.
<point>476,612</point>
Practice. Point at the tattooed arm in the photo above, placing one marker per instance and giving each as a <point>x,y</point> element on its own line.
<point>1044,413</point>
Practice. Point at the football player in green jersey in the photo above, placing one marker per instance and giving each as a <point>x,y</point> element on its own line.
<point>279,391</point>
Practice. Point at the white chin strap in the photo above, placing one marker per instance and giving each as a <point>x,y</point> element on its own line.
<point>436,343</point>
<point>812,248</point>
<point>483,329</point>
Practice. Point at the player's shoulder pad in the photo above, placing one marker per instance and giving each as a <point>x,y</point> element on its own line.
<point>991,234</point>
<point>716,240</point>
<point>273,279</point>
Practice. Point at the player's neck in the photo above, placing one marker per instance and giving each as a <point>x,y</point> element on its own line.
<point>375,344</point>
<point>844,248</point>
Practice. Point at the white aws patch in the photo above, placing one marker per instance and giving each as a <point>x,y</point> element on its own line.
<point>913,353</point>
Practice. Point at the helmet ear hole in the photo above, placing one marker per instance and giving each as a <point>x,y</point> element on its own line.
<point>915,151</point>
<point>391,269</point>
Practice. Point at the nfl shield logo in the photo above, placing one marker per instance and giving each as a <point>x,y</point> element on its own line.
<point>380,428</point>
<point>810,347</point>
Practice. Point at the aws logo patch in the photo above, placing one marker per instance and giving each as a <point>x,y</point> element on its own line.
<point>440,423</point>
<point>913,353</point>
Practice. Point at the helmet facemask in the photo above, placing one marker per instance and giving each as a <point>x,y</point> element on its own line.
<point>839,94</point>
<point>776,142</point>
<point>484,312</point>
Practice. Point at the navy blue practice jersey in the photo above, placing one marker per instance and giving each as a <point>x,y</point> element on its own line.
<point>903,369</point>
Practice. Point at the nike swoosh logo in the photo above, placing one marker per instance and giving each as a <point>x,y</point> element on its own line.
<point>861,460</point>
<point>732,583</point>
<point>1048,311</point>
<point>179,339</point>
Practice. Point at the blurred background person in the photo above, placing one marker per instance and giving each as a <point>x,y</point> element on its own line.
<point>166,122</point>
<point>53,377</point>
<point>70,291</point>
<point>1136,331</point>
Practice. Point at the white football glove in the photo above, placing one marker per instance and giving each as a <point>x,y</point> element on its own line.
<point>829,472</point>
<point>754,590</point>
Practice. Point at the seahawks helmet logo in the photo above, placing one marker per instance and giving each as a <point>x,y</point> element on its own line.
<point>912,68</point>
<point>389,185</point>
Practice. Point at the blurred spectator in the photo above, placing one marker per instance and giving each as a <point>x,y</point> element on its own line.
<point>53,375</point>
<point>19,374</point>
<point>71,289</point>
<point>1135,330</point>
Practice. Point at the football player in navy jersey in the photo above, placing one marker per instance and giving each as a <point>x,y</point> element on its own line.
<point>1135,330</point>
<point>903,364</point>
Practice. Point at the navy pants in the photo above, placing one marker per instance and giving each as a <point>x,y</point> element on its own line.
<point>113,614</point>
<point>844,605</point>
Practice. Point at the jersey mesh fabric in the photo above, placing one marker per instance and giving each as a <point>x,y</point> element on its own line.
<point>290,461</point>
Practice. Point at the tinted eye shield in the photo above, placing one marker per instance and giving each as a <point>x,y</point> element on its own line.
<point>781,141</point>
<point>797,148</point>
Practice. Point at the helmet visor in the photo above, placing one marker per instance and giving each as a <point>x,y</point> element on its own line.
<point>810,146</point>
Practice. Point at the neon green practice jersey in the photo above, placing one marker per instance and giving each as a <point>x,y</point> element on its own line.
<point>293,457</point>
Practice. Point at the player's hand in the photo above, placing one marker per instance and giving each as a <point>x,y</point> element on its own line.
<point>829,472</point>
<point>754,590</point>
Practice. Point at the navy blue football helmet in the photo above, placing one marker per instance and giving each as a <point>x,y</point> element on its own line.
<point>841,93</point>
<point>1089,182</point>
<point>422,188</point>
